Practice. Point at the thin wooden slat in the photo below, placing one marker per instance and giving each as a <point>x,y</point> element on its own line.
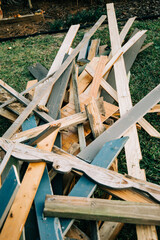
<point>126,28</point>
<point>149,128</point>
<point>8,192</point>
<point>64,123</point>
<point>129,58</point>
<point>67,42</point>
<point>100,209</point>
<point>81,135</point>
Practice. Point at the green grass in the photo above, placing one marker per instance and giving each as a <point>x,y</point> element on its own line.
<point>144,77</point>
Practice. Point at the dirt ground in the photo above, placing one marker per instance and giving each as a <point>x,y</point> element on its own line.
<point>59,9</point>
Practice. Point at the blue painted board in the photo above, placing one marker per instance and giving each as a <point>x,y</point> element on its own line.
<point>85,187</point>
<point>49,228</point>
<point>8,192</point>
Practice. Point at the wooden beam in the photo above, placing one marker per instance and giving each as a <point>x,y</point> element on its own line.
<point>101,209</point>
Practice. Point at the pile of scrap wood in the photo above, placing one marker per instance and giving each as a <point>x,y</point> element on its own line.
<point>64,140</point>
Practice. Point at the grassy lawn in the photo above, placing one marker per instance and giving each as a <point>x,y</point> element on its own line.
<point>144,77</point>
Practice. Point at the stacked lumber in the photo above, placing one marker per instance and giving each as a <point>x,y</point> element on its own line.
<point>66,133</point>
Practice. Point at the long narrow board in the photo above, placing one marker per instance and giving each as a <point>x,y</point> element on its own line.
<point>129,58</point>
<point>64,49</point>
<point>123,124</point>
<point>8,192</point>
<point>132,147</point>
<point>85,187</point>
<point>101,209</point>
<point>56,99</point>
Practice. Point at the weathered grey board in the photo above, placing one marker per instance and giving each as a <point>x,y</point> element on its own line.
<point>120,127</point>
<point>101,209</point>
<point>56,98</point>
<point>38,71</point>
<point>129,58</point>
<point>64,162</point>
<point>82,56</point>
<point>49,83</point>
<point>8,192</point>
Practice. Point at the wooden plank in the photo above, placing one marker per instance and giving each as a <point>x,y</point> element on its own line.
<point>93,51</point>
<point>56,98</point>
<point>65,123</point>
<point>67,42</point>
<point>82,56</point>
<point>48,84</point>
<point>129,58</point>
<point>81,135</point>
<point>7,114</point>
<point>97,76</point>
<point>120,127</point>
<point>94,118</point>
<point>38,71</point>
<point>146,46</point>
<point>126,28</point>
<point>25,19</point>
<point>132,148</point>
<point>110,230</point>
<point>101,209</point>
<point>149,128</point>
<point>8,192</point>
<point>102,50</point>
<point>75,233</point>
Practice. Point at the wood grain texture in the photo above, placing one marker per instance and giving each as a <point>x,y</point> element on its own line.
<point>93,49</point>
<point>100,209</point>
<point>97,76</point>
